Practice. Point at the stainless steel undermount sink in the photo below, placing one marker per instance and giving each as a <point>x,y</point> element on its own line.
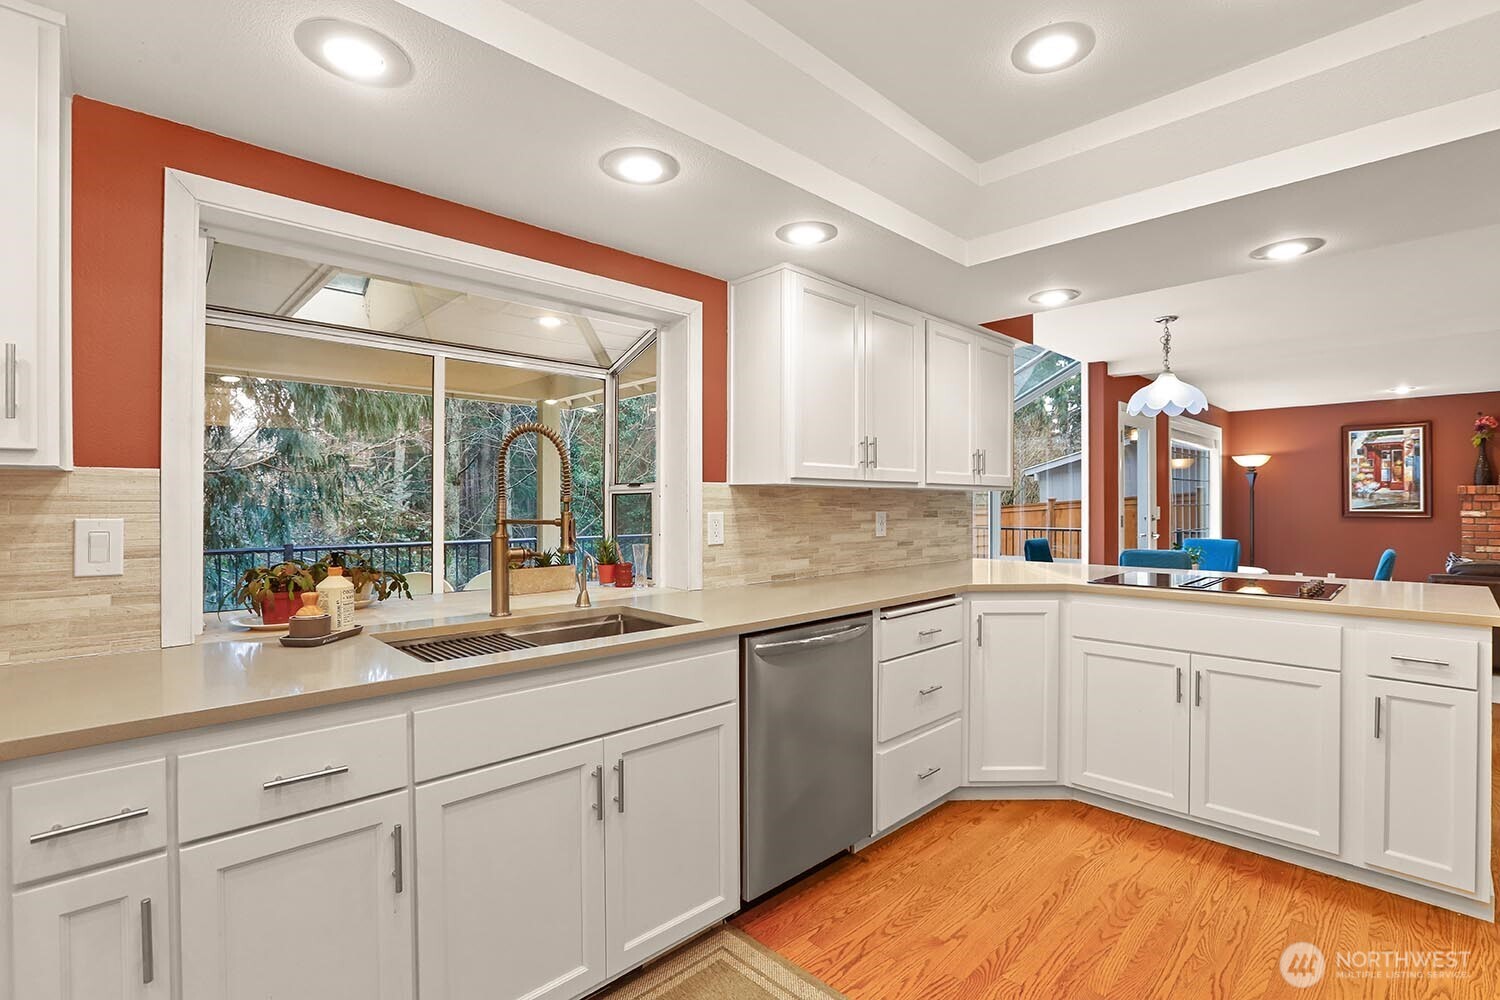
<point>486,638</point>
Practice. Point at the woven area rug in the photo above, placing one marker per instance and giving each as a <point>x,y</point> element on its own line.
<point>723,965</point>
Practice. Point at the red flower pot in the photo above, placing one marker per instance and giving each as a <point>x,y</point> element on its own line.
<point>624,575</point>
<point>607,573</point>
<point>276,609</point>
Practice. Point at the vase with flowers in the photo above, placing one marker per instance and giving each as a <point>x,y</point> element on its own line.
<point>1484,428</point>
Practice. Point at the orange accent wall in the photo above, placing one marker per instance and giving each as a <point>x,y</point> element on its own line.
<point>1299,519</point>
<point>118,161</point>
<point>1018,327</point>
<point>1105,394</point>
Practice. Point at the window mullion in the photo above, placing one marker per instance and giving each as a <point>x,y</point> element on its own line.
<point>439,470</point>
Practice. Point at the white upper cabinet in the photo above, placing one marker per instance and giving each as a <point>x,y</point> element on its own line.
<point>830,385</point>
<point>34,400</point>
<point>970,389</point>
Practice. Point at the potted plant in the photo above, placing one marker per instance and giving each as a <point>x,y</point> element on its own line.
<point>273,590</point>
<point>1194,553</point>
<point>370,581</point>
<point>609,559</point>
<point>541,573</point>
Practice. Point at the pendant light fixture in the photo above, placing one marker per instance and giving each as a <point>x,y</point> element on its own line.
<point>1168,394</point>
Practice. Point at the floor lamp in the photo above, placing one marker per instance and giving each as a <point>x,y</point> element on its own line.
<point>1251,464</point>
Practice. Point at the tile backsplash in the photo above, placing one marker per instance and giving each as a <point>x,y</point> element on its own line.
<point>45,611</point>
<point>774,533</point>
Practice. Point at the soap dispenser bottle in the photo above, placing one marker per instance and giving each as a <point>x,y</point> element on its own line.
<point>336,596</point>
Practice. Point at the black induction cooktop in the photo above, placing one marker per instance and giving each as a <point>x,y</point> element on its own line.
<point>1255,586</point>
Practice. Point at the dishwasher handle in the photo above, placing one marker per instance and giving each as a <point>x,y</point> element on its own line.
<point>811,642</point>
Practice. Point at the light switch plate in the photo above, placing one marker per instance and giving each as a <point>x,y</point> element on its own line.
<point>880,524</point>
<point>99,546</point>
<point>716,527</point>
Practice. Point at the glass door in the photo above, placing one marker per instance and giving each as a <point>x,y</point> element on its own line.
<point>1138,511</point>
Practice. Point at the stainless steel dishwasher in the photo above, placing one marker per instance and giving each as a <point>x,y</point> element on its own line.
<point>808,702</point>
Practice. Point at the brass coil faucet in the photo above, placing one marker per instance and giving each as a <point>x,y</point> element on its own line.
<point>501,552</point>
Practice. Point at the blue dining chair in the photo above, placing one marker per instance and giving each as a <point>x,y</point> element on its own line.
<point>1156,558</point>
<point>1386,568</point>
<point>1220,555</point>
<point>1038,550</point>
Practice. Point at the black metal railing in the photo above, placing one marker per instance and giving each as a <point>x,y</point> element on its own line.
<point>1066,543</point>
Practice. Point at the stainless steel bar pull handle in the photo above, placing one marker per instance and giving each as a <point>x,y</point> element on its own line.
<point>1419,659</point>
<point>598,777</point>
<point>92,824</point>
<point>10,382</point>
<point>924,633</point>
<point>979,630</point>
<point>874,452</point>
<point>924,692</point>
<point>984,460</point>
<point>332,770</point>
<point>1378,700</point>
<point>148,944</point>
<point>399,872</point>
<point>924,775</point>
<point>1179,685</point>
<point>620,784</point>
<point>864,452</point>
<point>1197,687</point>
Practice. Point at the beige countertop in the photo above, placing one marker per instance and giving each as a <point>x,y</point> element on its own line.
<point>57,705</point>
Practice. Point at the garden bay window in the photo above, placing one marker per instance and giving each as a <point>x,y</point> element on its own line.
<point>350,412</point>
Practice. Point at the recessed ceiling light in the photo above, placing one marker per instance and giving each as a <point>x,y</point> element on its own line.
<point>1054,297</point>
<point>550,322</point>
<point>353,52</point>
<point>1055,47</point>
<point>639,165</point>
<point>806,234</point>
<point>1288,249</point>
<point>1402,389</point>
<point>229,379</point>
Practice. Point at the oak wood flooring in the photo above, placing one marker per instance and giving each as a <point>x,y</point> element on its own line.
<point>1060,900</point>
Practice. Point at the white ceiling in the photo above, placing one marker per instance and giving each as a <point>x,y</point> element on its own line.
<point>1300,121</point>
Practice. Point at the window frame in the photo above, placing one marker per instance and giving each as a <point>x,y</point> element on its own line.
<point>1210,438</point>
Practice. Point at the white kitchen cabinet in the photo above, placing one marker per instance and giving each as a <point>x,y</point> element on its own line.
<point>828,385</point>
<point>1013,678</point>
<point>1265,749</point>
<point>1128,714</point>
<point>1421,781</point>
<point>970,394</point>
<point>672,838</point>
<point>100,936</point>
<point>894,391</point>
<point>34,398</point>
<point>303,909</point>
<point>512,863</point>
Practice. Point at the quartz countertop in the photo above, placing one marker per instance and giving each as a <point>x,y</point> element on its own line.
<point>66,704</point>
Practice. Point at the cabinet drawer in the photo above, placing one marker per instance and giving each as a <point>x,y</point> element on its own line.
<point>917,773</point>
<point>65,824</point>
<point>239,786</point>
<point>919,689</point>
<point>1398,655</point>
<point>908,630</point>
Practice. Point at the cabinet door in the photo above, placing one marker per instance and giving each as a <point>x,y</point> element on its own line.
<point>30,238</point>
<point>825,376</point>
<point>894,370</point>
<point>101,936</point>
<point>1266,749</point>
<point>304,909</point>
<point>1421,781</point>
<point>994,393</point>
<point>951,449</point>
<point>1013,691</point>
<point>512,863</point>
<point>672,840</point>
<point>1128,710</point>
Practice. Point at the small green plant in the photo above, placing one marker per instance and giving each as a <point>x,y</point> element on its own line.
<point>1193,551</point>
<point>259,582</point>
<point>609,552</point>
<point>382,583</point>
<point>549,558</point>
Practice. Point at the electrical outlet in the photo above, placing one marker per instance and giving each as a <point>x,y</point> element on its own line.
<point>880,524</point>
<point>716,527</point>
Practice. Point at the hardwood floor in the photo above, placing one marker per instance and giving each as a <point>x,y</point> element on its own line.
<point>1061,900</point>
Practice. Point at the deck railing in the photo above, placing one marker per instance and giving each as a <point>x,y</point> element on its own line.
<point>1066,543</point>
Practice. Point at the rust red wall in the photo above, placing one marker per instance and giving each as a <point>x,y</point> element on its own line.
<point>118,161</point>
<point>1017,327</point>
<point>1299,520</point>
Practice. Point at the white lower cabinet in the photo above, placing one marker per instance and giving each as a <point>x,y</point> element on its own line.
<point>100,936</point>
<point>1265,749</point>
<point>1013,680</point>
<point>512,879</point>
<point>672,832</point>
<point>304,909</point>
<point>1128,713</point>
<point>1421,781</point>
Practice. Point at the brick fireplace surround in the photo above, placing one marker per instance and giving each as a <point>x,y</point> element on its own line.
<point>1479,522</point>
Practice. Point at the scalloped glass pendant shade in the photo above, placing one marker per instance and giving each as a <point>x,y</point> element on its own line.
<point>1168,394</point>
